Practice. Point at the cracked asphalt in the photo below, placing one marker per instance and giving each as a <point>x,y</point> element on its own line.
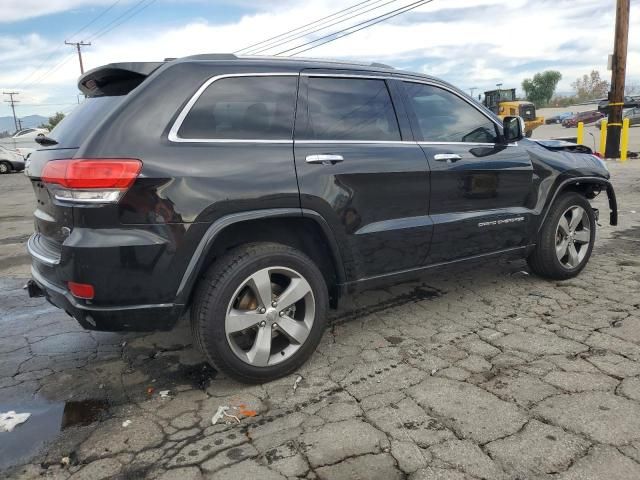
<point>478,372</point>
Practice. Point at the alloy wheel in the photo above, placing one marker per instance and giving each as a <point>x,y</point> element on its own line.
<point>270,316</point>
<point>573,236</point>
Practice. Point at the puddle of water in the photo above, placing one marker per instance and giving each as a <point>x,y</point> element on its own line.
<point>47,420</point>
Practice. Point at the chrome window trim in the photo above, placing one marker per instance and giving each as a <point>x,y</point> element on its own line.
<point>356,142</point>
<point>384,76</point>
<point>174,137</point>
<point>173,133</point>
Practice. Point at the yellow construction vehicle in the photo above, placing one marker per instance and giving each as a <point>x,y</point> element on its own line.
<point>503,103</point>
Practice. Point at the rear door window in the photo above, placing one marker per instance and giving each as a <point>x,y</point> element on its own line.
<point>350,109</point>
<point>243,108</point>
<point>444,117</point>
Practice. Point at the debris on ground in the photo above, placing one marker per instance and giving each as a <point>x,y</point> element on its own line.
<point>164,393</point>
<point>65,461</point>
<point>150,390</point>
<point>126,423</point>
<point>296,383</point>
<point>433,372</point>
<point>9,420</point>
<point>245,412</point>
<point>524,273</point>
<point>222,412</point>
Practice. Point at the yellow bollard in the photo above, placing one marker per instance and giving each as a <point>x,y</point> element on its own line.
<point>624,140</point>
<point>603,136</point>
<point>580,138</point>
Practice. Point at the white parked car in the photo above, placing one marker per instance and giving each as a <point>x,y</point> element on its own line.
<point>24,141</point>
<point>10,161</point>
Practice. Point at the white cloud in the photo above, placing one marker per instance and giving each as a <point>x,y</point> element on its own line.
<point>468,42</point>
<point>15,10</point>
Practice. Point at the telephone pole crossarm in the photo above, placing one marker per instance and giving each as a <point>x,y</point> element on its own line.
<point>78,46</point>
<point>13,102</point>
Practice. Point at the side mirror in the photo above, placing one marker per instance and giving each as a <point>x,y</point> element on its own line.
<point>513,129</point>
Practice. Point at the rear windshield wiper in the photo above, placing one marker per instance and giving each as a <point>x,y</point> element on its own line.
<point>45,141</point>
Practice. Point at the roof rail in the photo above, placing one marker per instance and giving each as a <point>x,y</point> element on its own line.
<point>380,65</point>
<point>213,56</point>
<point>231,56</point>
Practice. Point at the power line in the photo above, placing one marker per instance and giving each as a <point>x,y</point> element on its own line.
<point>98,17</point>
<point>367,24</point>
<point>248,48</point>
<point>48,72</point>
<point>309,32</point>
<point>60,49</point>
<point>119,20</point>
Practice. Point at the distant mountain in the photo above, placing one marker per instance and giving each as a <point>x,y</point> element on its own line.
<point>30,121</point>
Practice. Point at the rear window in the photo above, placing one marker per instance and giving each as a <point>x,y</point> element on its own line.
<point>82,120</point>
<point>243,108</point>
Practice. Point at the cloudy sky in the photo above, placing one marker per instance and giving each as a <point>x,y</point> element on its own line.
<point>471,43</point>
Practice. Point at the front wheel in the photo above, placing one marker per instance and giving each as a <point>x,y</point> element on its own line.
<point>260,311</point>
<point>4,168</point>
<point>566,239</point>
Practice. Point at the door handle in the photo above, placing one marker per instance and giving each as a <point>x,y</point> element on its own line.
<point>324,159</point>
<point>447,157</point>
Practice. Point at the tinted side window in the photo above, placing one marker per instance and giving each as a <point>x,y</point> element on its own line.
<point>444,117</point>
<point>243,108</point>
<point>350,109</point>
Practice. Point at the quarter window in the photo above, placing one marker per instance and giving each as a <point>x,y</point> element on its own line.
<point>350,109</point>
<point>445,117</point>
<point>243,108</point>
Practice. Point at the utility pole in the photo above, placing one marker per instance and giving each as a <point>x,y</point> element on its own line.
<point>616,95</point>
<point>472,89</point>
<point>13,102</point>
<point>78,45</point>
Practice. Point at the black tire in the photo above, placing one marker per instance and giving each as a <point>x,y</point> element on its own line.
<point>214,294</point>
<point>5,167</point>
<point>528,133</point>
<point>543,260</point>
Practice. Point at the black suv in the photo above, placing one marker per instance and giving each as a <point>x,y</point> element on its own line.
<point>253,192</point>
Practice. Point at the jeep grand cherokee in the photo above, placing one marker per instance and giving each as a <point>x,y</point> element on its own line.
<point>252,193</point>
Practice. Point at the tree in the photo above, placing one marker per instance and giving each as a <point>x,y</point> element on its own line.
<point>53,121</point>
<point>590,87</point>
<point>540,89</point>
<point>632,89</point>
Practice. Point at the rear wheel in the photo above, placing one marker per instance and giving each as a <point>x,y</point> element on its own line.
<point>5,167</point>
<point>260,311</point>
<point>566,239</point>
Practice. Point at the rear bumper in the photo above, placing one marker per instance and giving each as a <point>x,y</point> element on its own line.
<point>124,282</point>
<point>137,318</point>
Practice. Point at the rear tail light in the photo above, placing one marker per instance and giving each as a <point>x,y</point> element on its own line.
<point>91,180</point>
<point>81,290</point>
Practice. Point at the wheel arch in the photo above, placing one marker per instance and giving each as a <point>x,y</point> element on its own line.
<point>589,187</point>
<point>305,230</point>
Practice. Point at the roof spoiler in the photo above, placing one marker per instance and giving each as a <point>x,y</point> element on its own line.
<point>115,78</point>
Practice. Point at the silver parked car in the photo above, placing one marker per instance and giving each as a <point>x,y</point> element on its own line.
<point>10,161</point>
